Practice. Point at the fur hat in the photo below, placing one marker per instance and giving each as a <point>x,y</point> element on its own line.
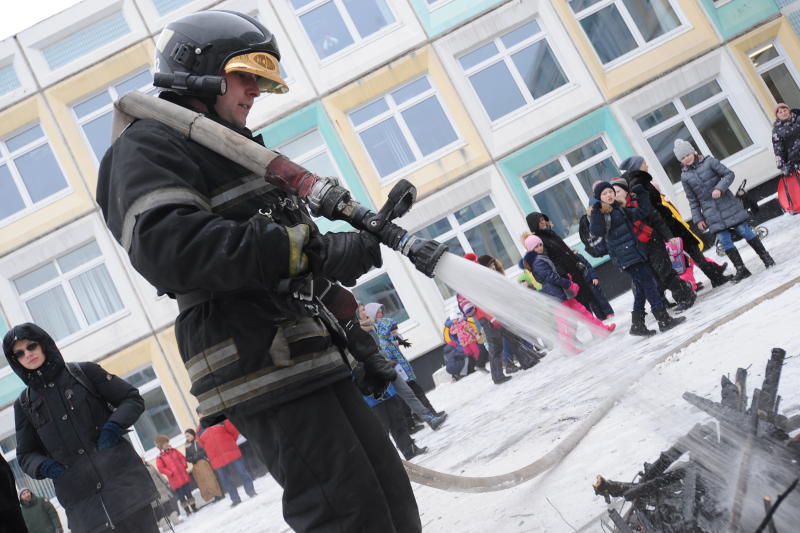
<point>531,242</point>
<point>161,440</point>
<point>371,309</point>
<point>631,164</point>
<point>600,187</point>
<point>682,148</point>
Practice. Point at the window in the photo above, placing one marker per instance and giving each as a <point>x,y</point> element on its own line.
<point>333,25</point>
<point>704,117</point>
<point>617,27</point>
<point>8,79</point>
<point>562,188</point>
<point>94,114</point>
<point>29,172</point>
<point>376,286</point>
<point>157,418</point>
<point>781,78</point>
<point>83,41</point>
<point>311,151</point>
<point>70,293</point>
<point>476,228</point>
<point>405,125</point>
<point>513,70</point>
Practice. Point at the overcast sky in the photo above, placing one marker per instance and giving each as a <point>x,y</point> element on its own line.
<point>17,16</point>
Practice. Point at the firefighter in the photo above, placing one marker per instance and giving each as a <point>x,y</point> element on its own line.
<point>247,266</point>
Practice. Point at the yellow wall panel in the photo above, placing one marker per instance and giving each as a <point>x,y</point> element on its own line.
<point>146,352</point>
<point>778,30</point>
<point>470,154</point>
<point>83,84</point>
<point>649,64</point>
<point>173,357</point>
<point>69,204</point>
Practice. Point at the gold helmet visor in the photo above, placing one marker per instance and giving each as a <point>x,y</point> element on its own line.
<point>264,66</point>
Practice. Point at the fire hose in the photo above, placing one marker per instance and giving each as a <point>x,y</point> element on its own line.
<point>326,198</point>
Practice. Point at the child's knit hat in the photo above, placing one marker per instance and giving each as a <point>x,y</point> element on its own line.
<point>600,187</point>
<point>682,148</point>
<point>531,242</point>
<point>371,309</point>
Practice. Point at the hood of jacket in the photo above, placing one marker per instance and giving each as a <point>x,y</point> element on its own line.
<point>54,362</point>
<point>533,220</point>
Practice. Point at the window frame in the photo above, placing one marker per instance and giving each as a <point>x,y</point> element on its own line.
<point>406,324</point>
<point>642,45</point>
<point>684,115</point>
<point>7,158</point>
<point>62,280</point>
<point>782,59</point>
<point>111,90</point>
<point>570,173</point>
<point>136,441</point>
<point>347,19</point>
<point>395,111</point>
<point>504,54</point>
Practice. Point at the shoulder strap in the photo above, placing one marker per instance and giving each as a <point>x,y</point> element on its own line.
<point>76,371</point>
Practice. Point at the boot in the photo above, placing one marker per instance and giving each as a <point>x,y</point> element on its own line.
<point>192,505</point>
<point>638,327</point>
<point>683,294</point>
<point>501,380</point>
<point>666,322</point>
<point>415,450</point>
<point>716,273</point>
<point>435,421</point>
<point>736,259</point>
<point>186,508</point>
<point>762,252</point>
<point>510,367</point>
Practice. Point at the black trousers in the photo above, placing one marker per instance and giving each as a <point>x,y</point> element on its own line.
<point>495,339</point>
<point>338,468</point>
<point>390,414</point>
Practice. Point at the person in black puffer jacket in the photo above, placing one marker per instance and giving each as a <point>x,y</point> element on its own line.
<point>69,422</point>
<point>635,172</point>
<point>562,257</point>
<point>786,138</point>
<point>616,222</point>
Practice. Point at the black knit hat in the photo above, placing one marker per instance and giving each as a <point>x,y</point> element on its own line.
<point>600,187</point>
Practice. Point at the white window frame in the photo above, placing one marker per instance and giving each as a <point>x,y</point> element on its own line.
<point>7,158</point>
<point>108,108</point>
<point>358,40</point>
<point>570,173</point>
<point>177,440</point>
<point>62,280</point>
<point>782,59</point>
<point>642,46</point>
<point>504,54</point>
<point>432,6</point>
<point>685,115</point>
<point>395,111</point>
<point>314,152</point>
<point>408,323</point>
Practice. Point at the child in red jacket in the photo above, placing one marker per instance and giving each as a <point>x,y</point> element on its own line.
<point>172,464</point>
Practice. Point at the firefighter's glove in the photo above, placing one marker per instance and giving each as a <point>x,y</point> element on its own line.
<point>51,469</point>
<point>109,436</point>
<point>345,256</point>
<point>373,375</point>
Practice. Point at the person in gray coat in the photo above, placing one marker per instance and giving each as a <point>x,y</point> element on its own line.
<point>69,421</point>
<point>707,183</point>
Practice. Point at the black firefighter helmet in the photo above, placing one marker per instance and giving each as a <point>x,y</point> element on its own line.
<point>194,52</point>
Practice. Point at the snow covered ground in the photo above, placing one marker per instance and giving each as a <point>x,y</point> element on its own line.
<point>638,382</point>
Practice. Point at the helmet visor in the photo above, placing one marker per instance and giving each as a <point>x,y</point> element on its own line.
<point>264,66</point>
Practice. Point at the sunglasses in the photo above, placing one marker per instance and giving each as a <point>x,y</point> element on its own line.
<point>19,354</point>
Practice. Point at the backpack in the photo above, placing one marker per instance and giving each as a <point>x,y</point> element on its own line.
<point>594,246</point>
<point>676,256</point>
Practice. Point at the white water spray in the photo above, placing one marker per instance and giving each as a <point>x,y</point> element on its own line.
<point>527,313</point>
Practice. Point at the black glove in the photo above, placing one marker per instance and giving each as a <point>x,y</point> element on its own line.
<point>345,256</point>
<point>109,436</point>
<point>404,343</point>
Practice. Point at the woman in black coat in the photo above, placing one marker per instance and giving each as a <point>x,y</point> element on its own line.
<point>70,420</point>
<point>562,257</point>
<point>10,512</point>
<point>786,138</point>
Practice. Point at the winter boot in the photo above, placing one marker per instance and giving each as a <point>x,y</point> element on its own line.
<point>666,322</point>
<point>736,259</point>
<point>510,367</point>
<point>435,421</point>
<point>638,327</point>
<point>762,252</point>
<point>191,503</point>
<point>501,380</point>
<point>414,451</point>
<point>683,294</point>
<point>716,273</point>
